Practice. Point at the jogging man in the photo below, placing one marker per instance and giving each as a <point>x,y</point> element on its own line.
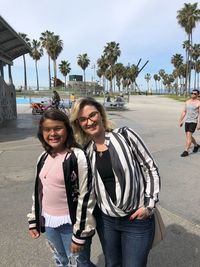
<point>192,112</point>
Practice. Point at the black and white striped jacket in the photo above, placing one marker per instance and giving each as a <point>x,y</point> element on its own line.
<point>137,181</point>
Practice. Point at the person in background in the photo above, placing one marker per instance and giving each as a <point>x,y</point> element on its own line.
<point>63,199</point>
<point>72,100</point>
<point>56,99</point>
<point>127,184</point>
<point>191,111</point>
<point>108,99</point>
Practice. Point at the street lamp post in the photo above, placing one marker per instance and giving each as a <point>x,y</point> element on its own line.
<point>94,69</point>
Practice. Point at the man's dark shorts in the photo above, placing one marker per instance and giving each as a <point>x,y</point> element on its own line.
<point>190,127</point>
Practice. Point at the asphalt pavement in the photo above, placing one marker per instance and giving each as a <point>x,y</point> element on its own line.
<point>156,120</point>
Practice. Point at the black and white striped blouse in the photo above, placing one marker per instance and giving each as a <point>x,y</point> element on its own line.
<point>137,181</point>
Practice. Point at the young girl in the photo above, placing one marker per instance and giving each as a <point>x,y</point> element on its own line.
<point>63,199</point>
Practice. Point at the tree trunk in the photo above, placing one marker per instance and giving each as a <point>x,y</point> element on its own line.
<point>49,71</point>
<point>195,77</point>
<point>156,86</point>
<point>36,69</point>
<point>55,73</point>
<point>189,63</point>
<point>85,87</point>
<point>111,87</point>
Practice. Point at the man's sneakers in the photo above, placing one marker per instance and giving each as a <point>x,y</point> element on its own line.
<point>196,148</point>
<point>184,154</point>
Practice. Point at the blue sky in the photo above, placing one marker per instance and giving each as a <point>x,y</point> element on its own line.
<point>145,29</point>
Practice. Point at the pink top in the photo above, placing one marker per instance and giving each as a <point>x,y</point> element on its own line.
<point>54,199</point>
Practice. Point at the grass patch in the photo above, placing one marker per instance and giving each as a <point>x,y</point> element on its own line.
<point>178,98</point>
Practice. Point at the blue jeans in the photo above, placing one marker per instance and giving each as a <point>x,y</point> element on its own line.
<point>125,243</point>
<point>59,240</point>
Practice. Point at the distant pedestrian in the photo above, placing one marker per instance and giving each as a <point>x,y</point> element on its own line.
<point>63,199</point>
<point>72,100</point>
<point>192,113</point>
<point>108,99</point>
<point>56,99</point>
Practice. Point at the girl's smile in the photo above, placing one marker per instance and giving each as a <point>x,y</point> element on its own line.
<point>55,134</point>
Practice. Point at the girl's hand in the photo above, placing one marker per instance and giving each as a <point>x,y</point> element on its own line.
<point>140,214</point>
<point>34,233</point>
<point>76,248</point>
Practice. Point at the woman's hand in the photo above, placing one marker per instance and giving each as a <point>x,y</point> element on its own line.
<point>34,233</point>
<point>140,214</point>
<point>76,248</point>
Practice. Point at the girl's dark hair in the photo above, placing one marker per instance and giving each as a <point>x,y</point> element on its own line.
<point>56,115</point>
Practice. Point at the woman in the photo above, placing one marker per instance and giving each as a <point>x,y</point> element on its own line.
<point>63,197</point>
<point>125,196</point>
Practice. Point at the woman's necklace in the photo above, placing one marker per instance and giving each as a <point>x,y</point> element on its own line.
<point>100,154</point>
<point>100,149</point>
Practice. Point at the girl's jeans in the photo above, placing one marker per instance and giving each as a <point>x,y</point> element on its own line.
<point>59,240</point>
<point>125,243</point>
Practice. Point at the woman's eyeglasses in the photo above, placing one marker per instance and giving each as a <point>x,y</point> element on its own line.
<point>92,116</point>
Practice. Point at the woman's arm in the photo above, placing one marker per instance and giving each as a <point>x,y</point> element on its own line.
<point>148,166</point>
<point>85,222</point>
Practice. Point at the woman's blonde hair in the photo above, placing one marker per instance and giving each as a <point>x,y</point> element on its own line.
<point>81,137</point>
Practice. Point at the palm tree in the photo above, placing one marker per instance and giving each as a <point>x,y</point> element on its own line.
<point>162,75</point>
<point>55,48</point>
<point>46,41</point>
<point>118,71</point>
<point>111,52</point>
<point>108,75</point>
<point>148,78</point>
<point>168,80</point>
<point>198,71</point>
<point>102,66</point>
<point>195,55</point>
<point>27,40</point>
<point>36,53</point>
<point>158,79</point>
<point>133,74</point>
<point>83,61</point>
<point>188,17</point>
<point>182,73</point>
<point>177,61</point>
<point>64,68</point>
<point>155,76</point>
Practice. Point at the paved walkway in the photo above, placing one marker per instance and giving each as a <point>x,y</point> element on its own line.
<point>156,120</point>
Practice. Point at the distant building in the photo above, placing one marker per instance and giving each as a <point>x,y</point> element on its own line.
<point>77,78</point>
<point>12,46</point>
